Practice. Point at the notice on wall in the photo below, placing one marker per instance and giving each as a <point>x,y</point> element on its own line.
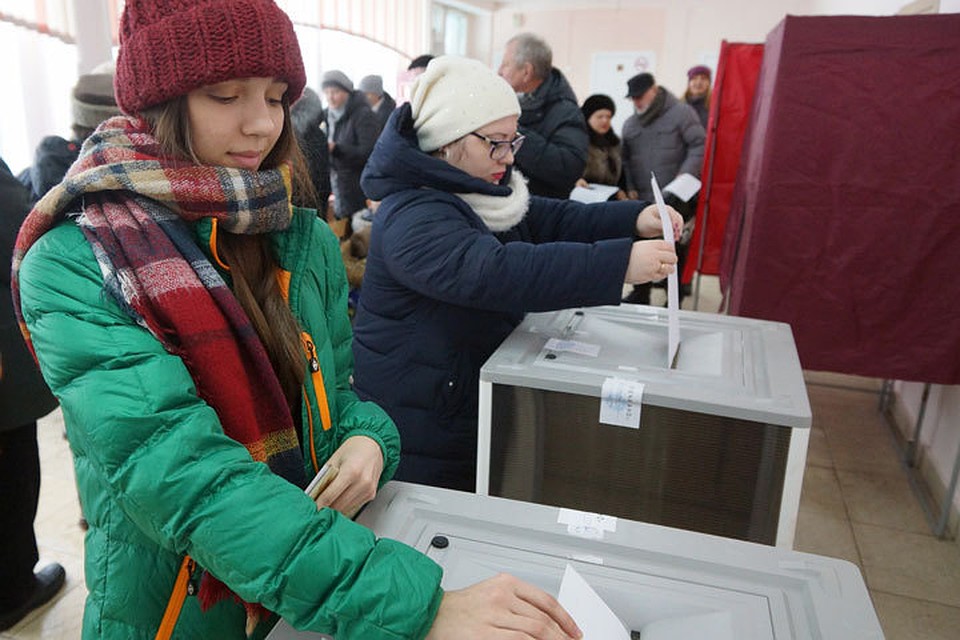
<point>620,402</point>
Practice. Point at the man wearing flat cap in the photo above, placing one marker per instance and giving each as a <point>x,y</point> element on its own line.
<point>663,136</point>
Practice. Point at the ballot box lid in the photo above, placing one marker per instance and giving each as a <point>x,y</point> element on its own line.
<point>727,366</point>
<point>662,583</point>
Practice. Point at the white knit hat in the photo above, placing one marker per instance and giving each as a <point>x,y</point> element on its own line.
<point>455,96</point>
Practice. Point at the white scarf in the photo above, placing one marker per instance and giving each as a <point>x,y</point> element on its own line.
<point>501,212</point>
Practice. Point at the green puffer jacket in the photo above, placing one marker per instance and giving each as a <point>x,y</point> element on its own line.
<point>158,478</point>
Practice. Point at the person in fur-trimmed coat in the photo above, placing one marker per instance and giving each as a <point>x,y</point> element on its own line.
<point>459,251</point>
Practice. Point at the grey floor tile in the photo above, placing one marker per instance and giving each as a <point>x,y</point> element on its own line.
<point>909,564</point>
<point>821,493</point>
<point>882,498</point>
<point>910,619</point>
<point>825,535</point>
<point>856,432</point>
<point>822,524</point>
<point>818,450</point>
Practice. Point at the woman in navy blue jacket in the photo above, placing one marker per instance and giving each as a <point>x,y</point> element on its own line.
<point>460,251</point>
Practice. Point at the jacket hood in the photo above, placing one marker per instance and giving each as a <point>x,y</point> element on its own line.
<point>397,164</point>
<point>306,111</point>
<point>52,158</point>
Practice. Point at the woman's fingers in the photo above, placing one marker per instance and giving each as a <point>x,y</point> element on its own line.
<point>502,608</point>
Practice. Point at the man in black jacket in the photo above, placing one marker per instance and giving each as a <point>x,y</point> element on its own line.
<point>555,150</point>
<point>352,130</point>
<point>381,103</point>
<point>24,397</point>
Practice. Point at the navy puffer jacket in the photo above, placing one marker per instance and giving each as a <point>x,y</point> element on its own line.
<point>441,292</point>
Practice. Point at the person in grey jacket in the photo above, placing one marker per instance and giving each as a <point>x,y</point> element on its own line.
<point>664,137</point>
<point>555,151</point>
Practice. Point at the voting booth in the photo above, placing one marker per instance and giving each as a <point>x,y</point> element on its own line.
<point>661,583</point>
<point>721,442</point>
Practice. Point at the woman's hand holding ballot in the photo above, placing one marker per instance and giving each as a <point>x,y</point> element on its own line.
<point>649,225</point>
<point>351,477</point>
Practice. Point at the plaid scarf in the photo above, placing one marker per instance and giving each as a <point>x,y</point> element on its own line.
<point>137,206</point>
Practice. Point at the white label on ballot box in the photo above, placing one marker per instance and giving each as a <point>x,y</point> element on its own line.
<point>584,524</point>
<point>620,402</point>
<point>573,346</point>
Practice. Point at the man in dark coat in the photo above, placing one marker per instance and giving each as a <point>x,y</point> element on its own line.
<point>381,103</point>
<point>352,131</point>
<point>24,397</point>
<point>555,150</point>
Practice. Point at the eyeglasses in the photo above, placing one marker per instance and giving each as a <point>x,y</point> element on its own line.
<point>500,148</point>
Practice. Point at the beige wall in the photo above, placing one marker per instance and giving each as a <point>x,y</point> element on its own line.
<point>680,32</point>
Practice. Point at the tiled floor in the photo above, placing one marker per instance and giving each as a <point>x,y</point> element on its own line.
<point>856,505</point>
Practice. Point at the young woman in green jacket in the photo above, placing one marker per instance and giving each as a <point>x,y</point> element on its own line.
<point>193,325</point>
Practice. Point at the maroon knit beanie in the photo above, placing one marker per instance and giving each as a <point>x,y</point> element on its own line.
<point>171,47</point>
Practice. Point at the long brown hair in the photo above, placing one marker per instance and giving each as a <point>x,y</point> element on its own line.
<point>253,266</point>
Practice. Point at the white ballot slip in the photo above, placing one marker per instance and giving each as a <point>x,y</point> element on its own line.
<point>593,193</point>
<point>595,619</point>
<point>684,186</point>
<point>620,402</point>
<point>673,297</point>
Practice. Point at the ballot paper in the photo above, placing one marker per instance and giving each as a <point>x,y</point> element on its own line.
<point>684,186</point>
<point>673,298</point>
<point>593,192</point>
<point>595,619</point>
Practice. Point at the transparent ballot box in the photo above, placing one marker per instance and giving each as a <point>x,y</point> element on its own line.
<point>722,437</point>
<point>661,583</point>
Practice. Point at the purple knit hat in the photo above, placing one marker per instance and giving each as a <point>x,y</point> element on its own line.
<point>699,70</point>
<point>171,47</point>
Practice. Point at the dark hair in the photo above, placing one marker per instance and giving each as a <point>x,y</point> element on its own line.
<point>420,62</point>
<point>596,102</point>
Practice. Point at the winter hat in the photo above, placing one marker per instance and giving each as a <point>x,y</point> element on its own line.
<point>372,84</point>
<point>93,100</point>
<point>456,96</point>
<point>699,70</point>
<point>336,78</point>
<point>639,85</point>
<point>595,103</point>
<point>171,47</point>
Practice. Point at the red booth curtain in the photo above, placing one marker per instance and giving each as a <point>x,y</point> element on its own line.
<point>845,221</point>
<point>730,100</point>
